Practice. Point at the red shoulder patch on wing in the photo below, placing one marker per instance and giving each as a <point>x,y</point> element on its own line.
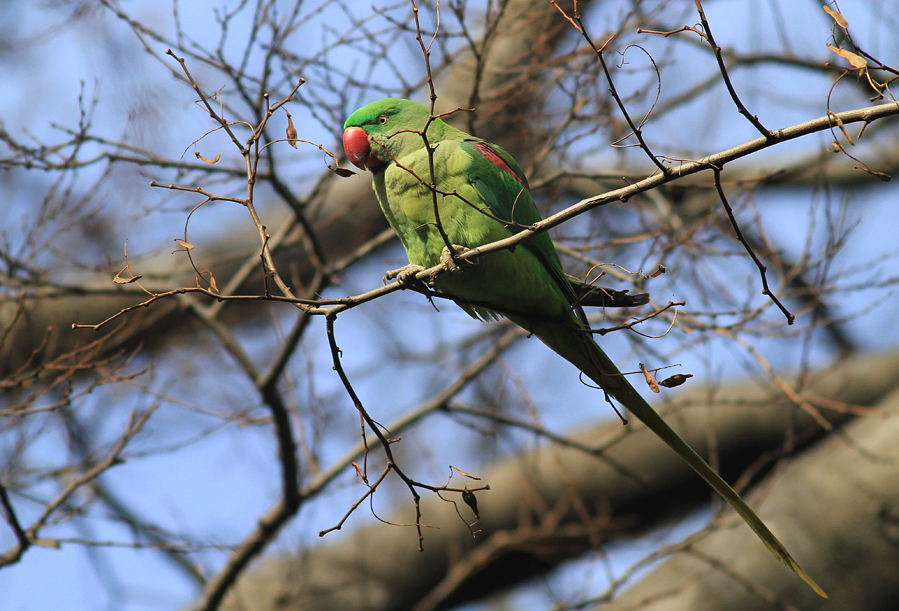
<point>496,159</point>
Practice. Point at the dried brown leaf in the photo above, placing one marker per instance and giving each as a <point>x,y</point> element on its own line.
<point>342,172</point>
<point>650,380</point>
<point>119,280</point>
<point>675,380</point>
<point>464,473</point>
<point>210,161</point>
<point>662,269</point>
<point>857,61</point>
<point>877,175</point>
<point>291,132</point>
<point>842,127</point>
<point>841,21</point>
<point>469,499</point>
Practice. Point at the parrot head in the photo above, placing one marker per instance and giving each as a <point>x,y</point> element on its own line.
<point>385,130</point>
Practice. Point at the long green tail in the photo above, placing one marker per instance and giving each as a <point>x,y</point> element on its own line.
<point>580,349</point>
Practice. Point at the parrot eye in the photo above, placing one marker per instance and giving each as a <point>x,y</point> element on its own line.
<point>383,119</point>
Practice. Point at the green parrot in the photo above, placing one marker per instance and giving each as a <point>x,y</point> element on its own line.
<point>482,196</point>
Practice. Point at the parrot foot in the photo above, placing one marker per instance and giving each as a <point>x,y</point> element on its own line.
<point>449,263</point>
<point>403,275</point>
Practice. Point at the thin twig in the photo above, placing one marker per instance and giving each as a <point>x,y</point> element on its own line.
<point>630,324</point>
<point>724,75</point>
<point>635,129</point>
<point>23,542</point>
<point>363,447</point>
<point>758,263</point>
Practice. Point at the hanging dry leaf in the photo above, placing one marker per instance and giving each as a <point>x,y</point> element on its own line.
<point>675,380</point>
<point>469,499</point>
<point>856,60</point>
<point>210,161</point>
<point>662,269</point>
<point>184,245</point>
<point>877,175</point>
<point>650,381</point>
<point>464,473</point>
<point>842,127</point>
<point>841,21</point>
<point>342,172</point>
<point>119,280</point>
<point>291,132</point>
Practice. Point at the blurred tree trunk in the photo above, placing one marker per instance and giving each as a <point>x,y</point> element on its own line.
<point>834,505</point>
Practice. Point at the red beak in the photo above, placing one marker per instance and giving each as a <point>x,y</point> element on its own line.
<point>357,146</point>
